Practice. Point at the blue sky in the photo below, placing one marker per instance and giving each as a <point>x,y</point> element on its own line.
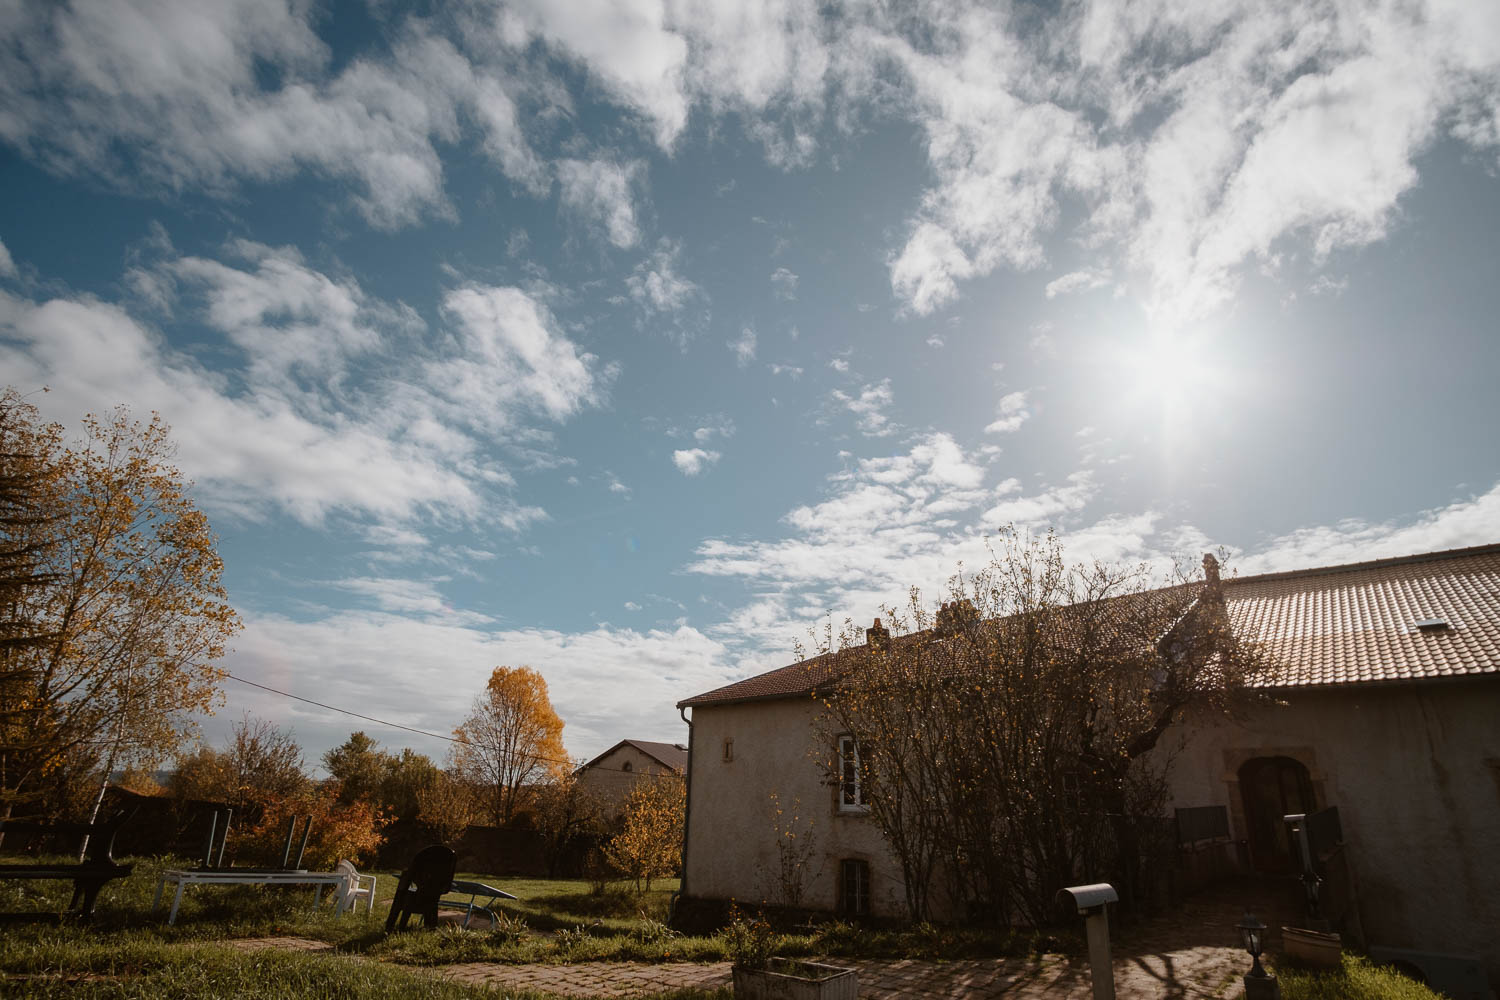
<point>627,338</point>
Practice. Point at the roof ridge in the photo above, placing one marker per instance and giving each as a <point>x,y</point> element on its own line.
<point>1419,557</point>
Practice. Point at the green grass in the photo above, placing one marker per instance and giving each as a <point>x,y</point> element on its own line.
<point>129,952</point>
<point>70,968</point>
<point>1357,980</point>
<point>552,920</point>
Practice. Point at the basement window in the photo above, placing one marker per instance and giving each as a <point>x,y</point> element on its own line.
<point>854,887</point>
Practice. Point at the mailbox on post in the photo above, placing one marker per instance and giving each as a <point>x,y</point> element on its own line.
<point>1092,901</point>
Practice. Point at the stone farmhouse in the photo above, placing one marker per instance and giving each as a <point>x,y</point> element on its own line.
<point>610,776</point>
<point>1384,729</point>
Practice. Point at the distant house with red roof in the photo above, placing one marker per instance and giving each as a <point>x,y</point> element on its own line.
<point>609,776</point>
<point>1387,707</point>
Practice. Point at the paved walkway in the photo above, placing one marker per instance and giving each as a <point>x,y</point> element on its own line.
<point>1193,953</point>
<point>1194,973</point>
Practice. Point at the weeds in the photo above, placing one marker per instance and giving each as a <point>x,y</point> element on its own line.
<point>1359,979</point>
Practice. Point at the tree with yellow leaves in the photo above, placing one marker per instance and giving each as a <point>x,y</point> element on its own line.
<point>650,844</point>
<point>511,738</point>
<point>127,612</point>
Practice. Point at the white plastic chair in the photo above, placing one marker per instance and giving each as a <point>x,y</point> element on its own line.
<point>356,887</point>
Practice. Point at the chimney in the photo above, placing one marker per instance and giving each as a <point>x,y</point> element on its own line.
<point>878,637</point>
<point>957,614</point>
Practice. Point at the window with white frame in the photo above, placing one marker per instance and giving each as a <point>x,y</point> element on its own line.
<point>852,785</point>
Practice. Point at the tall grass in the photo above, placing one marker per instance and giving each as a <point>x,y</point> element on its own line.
<point>1359,979</point>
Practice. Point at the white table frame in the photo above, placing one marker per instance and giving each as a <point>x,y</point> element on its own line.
<point>184,877</point>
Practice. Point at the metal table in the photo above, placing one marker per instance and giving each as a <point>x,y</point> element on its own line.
<point>184,877</point>
<point>475,890</point>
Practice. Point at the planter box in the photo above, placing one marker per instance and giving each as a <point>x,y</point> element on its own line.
<point>1312,947</point>
<point>791,979</point>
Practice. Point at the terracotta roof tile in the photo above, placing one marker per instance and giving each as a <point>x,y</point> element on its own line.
<point>1357,623</point>
<point>1334,625</point>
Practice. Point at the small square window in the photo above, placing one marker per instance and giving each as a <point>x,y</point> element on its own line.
<point>854,887</point>
<point>728,750</point>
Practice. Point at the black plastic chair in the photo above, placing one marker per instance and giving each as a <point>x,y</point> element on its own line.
<point>424,882</point>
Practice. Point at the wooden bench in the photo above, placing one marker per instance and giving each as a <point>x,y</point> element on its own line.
<point>88,877</point>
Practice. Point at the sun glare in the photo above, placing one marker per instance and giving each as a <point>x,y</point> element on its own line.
<point>1170,377</point>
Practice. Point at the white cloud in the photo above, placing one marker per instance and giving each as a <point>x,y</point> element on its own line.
<point>744,347</point>
<point>290,320</point>
<point>692,461</point>
<point>869,408</point>
<point>1076,281</point>
<point>1196,137</point>
<point>1013,413</point>
<point>300,415</point>
<point>626,46</point>
<point>7,266</point>
<point>425,672</point>
<point>242,450</point>
<point>1473,521</point>
<point>513,358</point>
<point>599,192</point>
<point>655,284</point>
<point>615,486</point>
<point>402,595</point>
<point>793,370</point>
<point>840,365</point>
<point>1047,507</point>
<point>717,426</point>
<point>784,284</point>
<point>632,606</point>
<point>169,94</point>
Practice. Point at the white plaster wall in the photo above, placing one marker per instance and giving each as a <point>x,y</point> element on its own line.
<point>731,852</point>
<point>1415,772</point>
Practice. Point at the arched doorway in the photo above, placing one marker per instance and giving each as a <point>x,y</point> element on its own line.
<point>1273,787</point>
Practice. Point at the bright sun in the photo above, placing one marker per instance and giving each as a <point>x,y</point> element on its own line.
<point>1171,376</point>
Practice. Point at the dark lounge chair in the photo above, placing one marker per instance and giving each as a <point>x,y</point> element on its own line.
<point>420,887</point>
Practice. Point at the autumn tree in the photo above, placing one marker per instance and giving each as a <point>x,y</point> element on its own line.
<point>566,810</point>
<point>511,737</point>
<point>391,781</point>
<point>338,829</point>
<point>125,589</point>
<point>649,846</point>
<point>1011,743</point>
<point>260,762</point>
<point>448,806</point>
<point>28,536</point>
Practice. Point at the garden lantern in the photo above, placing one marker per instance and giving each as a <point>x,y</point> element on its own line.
<point>1259,984</point>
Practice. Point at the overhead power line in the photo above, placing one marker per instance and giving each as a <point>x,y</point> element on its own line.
<point>423,732</point>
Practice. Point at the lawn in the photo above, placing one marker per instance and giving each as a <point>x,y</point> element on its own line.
<point>553,920</point>
<point>128,952</point>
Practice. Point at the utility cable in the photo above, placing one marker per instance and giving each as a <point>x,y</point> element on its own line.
<point>423,732</point>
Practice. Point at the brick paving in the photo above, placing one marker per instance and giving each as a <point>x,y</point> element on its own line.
<point>1191,954</point>
<point>1191,973</point>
